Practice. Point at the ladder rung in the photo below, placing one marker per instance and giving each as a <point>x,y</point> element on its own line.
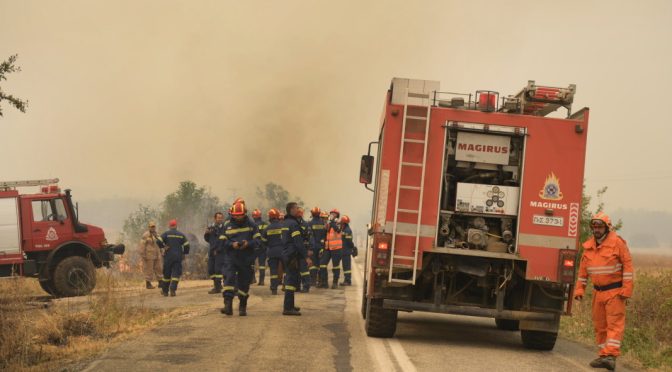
<point>417,188</point>
<point>408,211</point>
<point>412,164</point>
<point>402,280</point>
<point>416,117</point>
<point>413,140</point>
<point>405,257</point>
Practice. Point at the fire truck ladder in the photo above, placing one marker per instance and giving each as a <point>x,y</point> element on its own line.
<point>7,185</point>
<point>425,99</point>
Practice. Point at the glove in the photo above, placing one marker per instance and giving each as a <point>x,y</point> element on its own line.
<point>354,252</point>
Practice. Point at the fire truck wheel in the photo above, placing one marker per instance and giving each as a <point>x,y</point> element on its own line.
<point>538,340</point>
<point>48,287</point>
<point>380,322</point>
<point>74,276</point>
<point>507,324</point>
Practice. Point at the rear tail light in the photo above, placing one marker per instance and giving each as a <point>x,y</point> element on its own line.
<point>381,253</point>
<point>567,265</point>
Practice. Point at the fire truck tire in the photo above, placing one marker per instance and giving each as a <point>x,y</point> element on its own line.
<point>74,276</point>
<point>380,322</point>
<point>48,287</point>
<point>507,324</point>
<point>538,340</point>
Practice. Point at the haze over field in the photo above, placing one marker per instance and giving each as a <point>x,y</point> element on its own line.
<point>128,98</point>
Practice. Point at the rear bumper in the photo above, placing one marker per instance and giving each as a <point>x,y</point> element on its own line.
<point>469,311</point>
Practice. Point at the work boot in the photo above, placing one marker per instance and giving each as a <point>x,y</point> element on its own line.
<point>291,312</point>
<point>305,290</point>
<point>215,290</point>
<point>297,308</point>
<point>334,284</point>
<point>242,306</point>
<point>158,285</point>
<point>228,306</point>
<point>274,291</point>
<point>164,293</point>
<point>346,283</point>
<point>313,280</point>
<point>148,285</point>
<point>261,283</point>
<point>608,362</point>
<point>172,293</point>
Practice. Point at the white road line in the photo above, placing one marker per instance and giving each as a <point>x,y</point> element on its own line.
<point>377,345</point>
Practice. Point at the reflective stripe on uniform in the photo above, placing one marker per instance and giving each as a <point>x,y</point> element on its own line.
<point>584,280</point>
<point>236,231</point>
<point>628,276</point>
<point>174,279</point>
<point>274,277</point>
<point>323,266</point>
<point>296,233</point>
<point>218,276</point>
<point>244,294</point>
<point>227,288</point>
<point>305,273</point>
<point>262,267</point>
<point>257,235</point>
<point>274,232</point>
<point>347,272</point>
<point>613,342</point>
<point>175,236</point>
<point>223,237</point>
<point>290,288</point>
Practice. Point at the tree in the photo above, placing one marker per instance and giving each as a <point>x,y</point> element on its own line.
<point>193,206</point>
<point>6,68</point>
<point>275,196</point>
<point>138,221</point>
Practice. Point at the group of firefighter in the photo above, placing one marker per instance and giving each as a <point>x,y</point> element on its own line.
<point>296,252</point>
<point>287,243</point>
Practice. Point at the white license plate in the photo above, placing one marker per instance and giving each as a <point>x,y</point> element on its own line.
<point>548,221</point>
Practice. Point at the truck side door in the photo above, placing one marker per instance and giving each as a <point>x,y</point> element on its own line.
<point>50,223</point>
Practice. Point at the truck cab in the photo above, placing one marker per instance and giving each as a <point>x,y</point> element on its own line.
<point>41,237</point>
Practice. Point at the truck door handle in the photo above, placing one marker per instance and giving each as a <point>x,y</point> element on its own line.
<point>37,230</point>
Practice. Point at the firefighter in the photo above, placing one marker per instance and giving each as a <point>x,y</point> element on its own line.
<point>294,251</point>
<point>349,250</point>
<point>215,253</point>
<point>241,238</point>
<point>333,249</point>
<point>174,246</point>
<point>261,256</point>
<point>303,264</point>
<point>151,257</point>
<point>318,233</point>
<point>274,238</point>
<point>607,263</point>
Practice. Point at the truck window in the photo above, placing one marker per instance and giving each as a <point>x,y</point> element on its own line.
<point>60,210</point>
<point>42,211</point>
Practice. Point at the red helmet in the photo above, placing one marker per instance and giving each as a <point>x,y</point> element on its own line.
<point>315,212</point>
<point>338,214</point>
<point>324,214</point>
<point>345,219</point>
<point>239,200</point>
<point>238,209</point>
<point>256,213</point>
<point>172,223</point>
<point>273,214</point>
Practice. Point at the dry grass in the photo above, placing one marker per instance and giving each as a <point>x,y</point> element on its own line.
<point>648,337</point>
<point>35,338</point>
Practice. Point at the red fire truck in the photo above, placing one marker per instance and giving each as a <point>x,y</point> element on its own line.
<point>41,236</point>
<point>476,207</point>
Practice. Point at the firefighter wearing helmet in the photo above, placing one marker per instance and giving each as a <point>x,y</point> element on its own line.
<point>274,237</point>
<point>261,254</point>
<point>333,250</point>
<point>349,250</point>
<point>304,270</point>
<point>241,239</point>
<point>606,261</point>
<point>174,246</point>
<point>318,234</point>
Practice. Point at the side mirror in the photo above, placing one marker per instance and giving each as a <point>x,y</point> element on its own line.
<point>366,170</point>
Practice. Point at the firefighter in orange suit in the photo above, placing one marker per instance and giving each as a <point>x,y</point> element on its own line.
<point>607,263</point>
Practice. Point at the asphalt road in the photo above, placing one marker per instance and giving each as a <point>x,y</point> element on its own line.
<point>328,337</point>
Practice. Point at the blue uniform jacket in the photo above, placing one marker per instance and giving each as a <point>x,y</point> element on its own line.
<point>319,232</point>
<point>212,237</point>
<point>348,244</point>
<point>174,243</point>
<point>238,232</point>
<point>294,244</point>
<point>274,236</point>
<point>262,225</point>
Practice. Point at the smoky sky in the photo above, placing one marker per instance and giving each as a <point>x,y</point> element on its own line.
<point>127,98</point>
